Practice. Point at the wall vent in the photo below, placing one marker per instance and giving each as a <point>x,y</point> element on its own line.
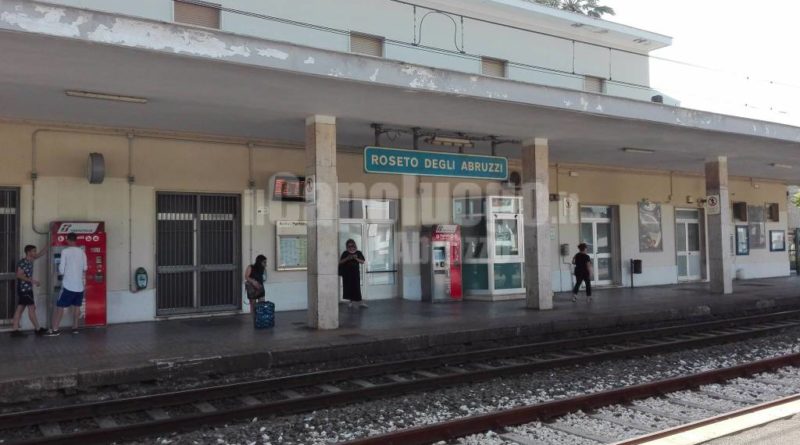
<point>494,67</point>
<point>365,44</point>
<point>197,13</point>
<point>594,84</point>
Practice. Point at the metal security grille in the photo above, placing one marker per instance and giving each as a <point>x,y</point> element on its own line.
<point>9,251</point>
<point>197,253</point>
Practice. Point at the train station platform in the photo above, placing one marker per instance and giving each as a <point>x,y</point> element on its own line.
<point>153,350</point>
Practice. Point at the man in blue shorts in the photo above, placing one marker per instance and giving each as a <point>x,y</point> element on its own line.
<point>25,284</point>
<point>73,270</point>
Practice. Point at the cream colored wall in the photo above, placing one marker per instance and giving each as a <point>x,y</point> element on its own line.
<point>202,166</point>
<point>604,186</point>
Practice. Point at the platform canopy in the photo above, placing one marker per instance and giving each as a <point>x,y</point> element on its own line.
<point>218,83</point>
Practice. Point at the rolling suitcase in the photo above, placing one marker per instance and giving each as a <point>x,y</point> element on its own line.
<point>265,315</point>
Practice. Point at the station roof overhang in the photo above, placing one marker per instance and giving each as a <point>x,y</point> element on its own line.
<point>212,82</point>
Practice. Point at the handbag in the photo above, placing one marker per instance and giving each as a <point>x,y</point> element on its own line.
<point>253,292</point>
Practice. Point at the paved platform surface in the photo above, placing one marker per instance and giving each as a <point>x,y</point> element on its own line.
<point>134,351</point>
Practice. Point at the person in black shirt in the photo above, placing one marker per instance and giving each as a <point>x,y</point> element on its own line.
<point>583,272</point>
<point>350,270</point>
<point>255,277</point>
<point>25,285</point>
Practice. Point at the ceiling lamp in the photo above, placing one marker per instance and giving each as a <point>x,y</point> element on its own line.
<point>104,96</point>
<point>449,142</point>
<point>645,151</point>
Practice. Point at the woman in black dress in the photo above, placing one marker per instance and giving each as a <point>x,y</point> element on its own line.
<point>350,269</point>
<point>254,278</point>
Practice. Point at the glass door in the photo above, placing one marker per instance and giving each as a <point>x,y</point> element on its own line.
<point>596,232</point>
<point>687,244</point>
<point>375,238</point>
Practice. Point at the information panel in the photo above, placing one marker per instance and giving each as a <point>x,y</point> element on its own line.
<point>398,161</point>
<point>291,244</point>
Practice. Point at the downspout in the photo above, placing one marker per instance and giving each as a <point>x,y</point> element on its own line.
<point>131,180</point>
<point>251,184</point>
<point>34,177</point>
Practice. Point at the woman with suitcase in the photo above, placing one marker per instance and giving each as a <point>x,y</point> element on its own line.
<point>254,278</point>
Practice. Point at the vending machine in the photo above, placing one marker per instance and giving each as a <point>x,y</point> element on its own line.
<point>92,239</point>
<point>441,270</point>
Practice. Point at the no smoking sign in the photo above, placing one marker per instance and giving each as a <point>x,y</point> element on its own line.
<point>712,205</point>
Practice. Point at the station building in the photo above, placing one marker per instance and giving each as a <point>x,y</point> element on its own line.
<point>207,117</point>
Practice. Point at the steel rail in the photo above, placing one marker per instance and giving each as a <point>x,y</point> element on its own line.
<point>466,426</point>
<point>17,419</point>
<point>304,404</point>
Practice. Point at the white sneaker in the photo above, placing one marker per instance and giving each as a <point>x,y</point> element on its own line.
<point>574,298</point>
<point>362,304</point>
<point>350,304</point>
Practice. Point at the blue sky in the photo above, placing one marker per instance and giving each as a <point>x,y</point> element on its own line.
<point>737,40</point>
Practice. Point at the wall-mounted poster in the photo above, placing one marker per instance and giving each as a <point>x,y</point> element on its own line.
<point>291,245</point>
<point>756,225</point>
<point>777,240</point>
<point>650,235</point>
<point>742,240</point>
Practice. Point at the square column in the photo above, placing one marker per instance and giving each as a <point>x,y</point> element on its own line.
<point>536,205</point>
<point>719,228</point>
<point>322,217</point>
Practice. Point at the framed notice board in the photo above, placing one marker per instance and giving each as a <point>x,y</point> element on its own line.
<point>291,245</point>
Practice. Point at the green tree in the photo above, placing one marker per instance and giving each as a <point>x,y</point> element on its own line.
<point>591,8</point>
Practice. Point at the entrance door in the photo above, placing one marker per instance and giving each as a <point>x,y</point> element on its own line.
<point>687,244</point>
<point>375,238</point>
<point>198,253</point>
<point>9,252</point>
<point>596,232</point>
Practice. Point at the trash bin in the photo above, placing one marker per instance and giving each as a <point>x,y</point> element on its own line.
<point>636,266</point>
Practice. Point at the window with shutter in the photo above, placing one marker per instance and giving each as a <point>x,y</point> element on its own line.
<point>493,67</point>
<point>205,14</point>
<point>594,84</point>
<point>364,44</point>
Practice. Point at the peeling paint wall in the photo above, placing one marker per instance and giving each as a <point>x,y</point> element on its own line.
<point>434,40</point>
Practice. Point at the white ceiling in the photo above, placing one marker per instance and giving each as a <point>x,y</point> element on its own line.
<point>221,98</point>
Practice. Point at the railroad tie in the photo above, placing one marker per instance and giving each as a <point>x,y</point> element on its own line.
<point>591,435</point>
<point>426,374</point>
<point>742,400</point>
<point>362,383</point>
<point>396,378</point>
<point>628,423</point>
<point>289,394</point>
<point>50,429</point>
<point>455,370</point>
<point>205,407</point>
<point>510,362</point>
<point>520,439</point>
<point>657,413</point>
<point>249,400</point>
<point>689,404</point>
<point>157,414</point>
<point>329,388</point>
<point>485,366</point>
<point>106,422</point>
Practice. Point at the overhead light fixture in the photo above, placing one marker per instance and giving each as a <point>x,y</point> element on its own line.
<point>776,165</point>
<point>449,142</point>
<point>104,96</point>
<point>645,151</point>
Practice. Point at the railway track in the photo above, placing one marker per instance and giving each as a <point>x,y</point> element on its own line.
<point>101,422</point>
<point>626,416</point>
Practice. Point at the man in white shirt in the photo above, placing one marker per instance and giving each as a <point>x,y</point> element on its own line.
<point>72,268</point>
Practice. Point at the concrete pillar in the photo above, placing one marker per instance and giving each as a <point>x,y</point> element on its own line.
<point>536,204</point>
<point>719,227</point>
<point>322,216</point>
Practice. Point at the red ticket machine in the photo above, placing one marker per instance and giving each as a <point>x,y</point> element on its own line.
<point>92,239</point>
<point>441,273</point>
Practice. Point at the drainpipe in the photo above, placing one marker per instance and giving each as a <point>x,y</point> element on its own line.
<point>251,183</point>
<point>131,180</point>
<point>34,177</point>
